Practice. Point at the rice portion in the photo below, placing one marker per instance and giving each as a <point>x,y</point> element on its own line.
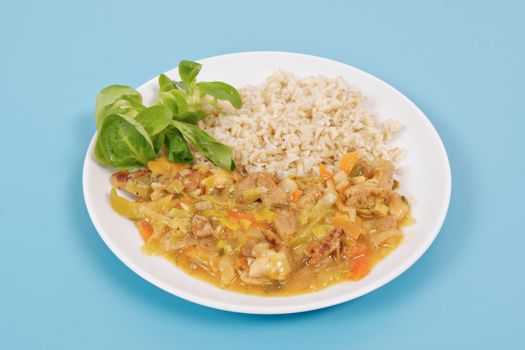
<point>289,125</point>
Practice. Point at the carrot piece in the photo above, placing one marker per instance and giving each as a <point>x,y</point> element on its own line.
<point>350,228</point>
<point>359,269</point>
<point>295,196</point>
<point>324,172</point>
<point>145,230</point>
<point>240,215</point>
<point>348,161</point>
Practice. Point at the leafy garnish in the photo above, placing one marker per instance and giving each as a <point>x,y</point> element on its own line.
<point>165,83</point>
<point>175,100</point>
<point>188,71</point>
<point>191,116</point>
<point>213,150</point>
<point>158,141</point>
<point>124,143</point>
<point>117,99</point>
<point>130,134</point>
<point>221,91</point>
<point>154,119</point>
<point>178,150</point>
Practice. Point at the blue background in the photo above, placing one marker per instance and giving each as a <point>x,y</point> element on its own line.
<point>461,62</point>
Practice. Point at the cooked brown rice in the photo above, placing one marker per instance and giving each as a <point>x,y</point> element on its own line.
<point>289,125</point>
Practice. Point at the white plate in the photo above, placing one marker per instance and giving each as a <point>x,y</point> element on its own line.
<point>427,180</point>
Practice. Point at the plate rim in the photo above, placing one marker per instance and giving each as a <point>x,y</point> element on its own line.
<point>311,305</point>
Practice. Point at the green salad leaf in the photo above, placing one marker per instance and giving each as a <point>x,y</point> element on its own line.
<point>165,83</point>
<point>190,117</point>
<point>158,141</point>
<point>178,149</point>
<point>154,119</point>
<point>216,152</point>
<point>221,91</point>
<point>188,71</point>
<point>116,99</point>
<point>175,100</point>
<point>124,143</point>
<point>99,155</point>
<point>130,134</point>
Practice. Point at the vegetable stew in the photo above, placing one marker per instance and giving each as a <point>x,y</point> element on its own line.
<point>255,234</point>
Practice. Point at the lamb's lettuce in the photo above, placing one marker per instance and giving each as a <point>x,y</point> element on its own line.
<point>216,152</point>
<point>165,83</point>
<point>117,99</point>
<point>154,119</point>
<point>188,71</point>
<point>221,91</point>
<point>177,149</point>
<point>124,143</point>
<point>130,134</point>
<point>175,100</point>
